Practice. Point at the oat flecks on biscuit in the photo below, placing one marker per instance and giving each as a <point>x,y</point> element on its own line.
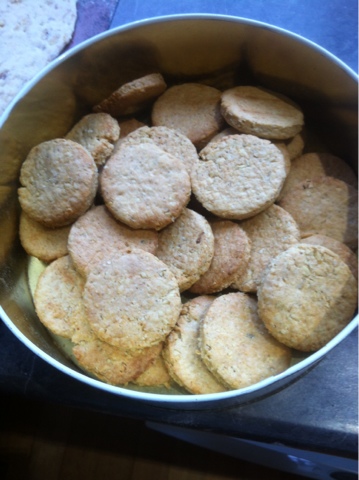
<point>112,365</point>
<point>236,346</point>
<point>145,187</point>
<point>58,298</point>
<point>270,233</point>
<point>181,351</point>
<point>155,375</point>
<point>46,244</point>
<point>96,236</point>
<point>259,112</point>
<point>312,165</point>
<point>344,252</point>
<point>133,96</point>
<point>59,181</point>
<point>132,301</point>
<point>191,108</point>
<point>308,295</point>
<point>238,176</point>
<point>232,250</point>
<point>97,132</point>
<point>324,205</point>
<point>170,140</point>
<point>186,247</point>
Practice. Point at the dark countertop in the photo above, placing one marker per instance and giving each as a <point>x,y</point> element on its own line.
<point>317,411</point>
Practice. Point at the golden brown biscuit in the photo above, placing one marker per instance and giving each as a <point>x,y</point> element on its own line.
<point>181,350</point>
<point>344,252</point>
<point>324,205</point>
<point>169,140</point>
<point>59,182</point>
<point>232,250</point>
<point>42,242</point>
<point>236,346</point>
<point>145,187</point>
<point>191,108</point>
<point>133,96</point>
<point>97,236</point>
<point>132,301</point>
<point>312,165</point>
<point>58,298</point>
<point>112,365</point>
<point>307,296</point>
<point>186,247</point>
<point>238,176</point>
<point>155,375</point>
<point>97,132</point>
<point>270,233</point>
<point>259,112</point>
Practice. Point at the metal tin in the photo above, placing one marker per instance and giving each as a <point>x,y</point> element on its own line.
<point>220,50</point>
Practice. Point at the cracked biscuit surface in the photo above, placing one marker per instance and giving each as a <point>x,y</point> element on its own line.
<point>145,187</point>
<point>307,296</point>
<point>59,181</point>
<point>238,176</point>
<point>236,346</point>
<point>132,301</point>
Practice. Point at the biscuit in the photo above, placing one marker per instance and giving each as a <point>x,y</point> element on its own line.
<point>295,145</point>
<point>238,176</point>
<point>312,165</point>
<point>181,350</point>
<point>132,301</point>
<point>59,182</point>
<point>42,242</point>
<point>145,187</point>
<point>186,247</point>
<point>169,140</point>
<point>232,250</point>
<point>236,346</point>
<point>270,233</point>
<point>191,108</point>
<point>259,112</point>
<point>126,127</point>
<point>58,298</point>
<point>307,296</point>
<point>97,132</point>
<point>133,96</point>
<point>155,375</point>
<point>96,236</point>
<point>112,365</point>
<point>324,205</point>
<point>344,252</point>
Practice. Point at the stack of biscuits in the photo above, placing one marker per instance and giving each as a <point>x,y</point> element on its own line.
<point>190,236</point>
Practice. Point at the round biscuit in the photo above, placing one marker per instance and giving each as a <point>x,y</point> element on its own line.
<point>181,350</point>
<point>232,250</point>
<point>97,132</point>
<point>133,96</point>
<point>238,176</point>
<point>270,233</point>
<point>58,298</point>
<point>59,182</point>
<point>191,108</point>
<point>132,301</point>
<point>311,165</point>
<point>259,112</point>
<point>46,244</point>
<point>145,187</point>
<point>169,140</point>
<point>236,346</point>
<point>186,247</point>
<point>307,296</point>
<point>96,236</point>
<point>324,205</point>
<point>112,365</point>
<point>344,252</point>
